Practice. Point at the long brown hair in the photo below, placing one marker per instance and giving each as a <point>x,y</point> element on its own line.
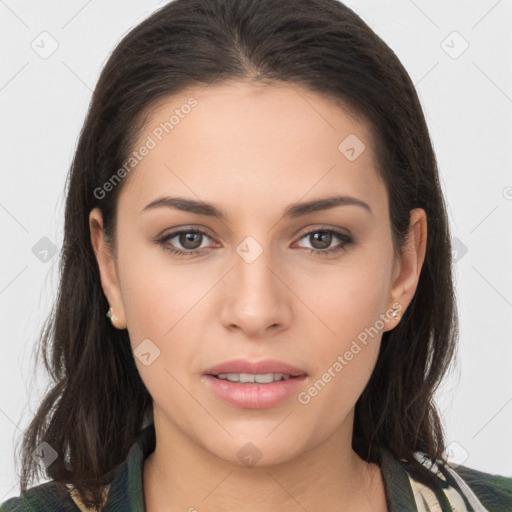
<point>97,402</point>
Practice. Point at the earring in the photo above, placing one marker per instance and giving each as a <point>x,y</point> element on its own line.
<point>113,318</point>
<point>395,313</point>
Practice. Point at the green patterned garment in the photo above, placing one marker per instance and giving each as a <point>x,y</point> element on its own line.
<point>459,489</point>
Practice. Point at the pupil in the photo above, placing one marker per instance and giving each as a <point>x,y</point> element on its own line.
<point>186,238</point>
<point>325,243</point>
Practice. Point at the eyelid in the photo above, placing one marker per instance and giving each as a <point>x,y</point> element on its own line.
<point>204,230</point>
<point>319,227</point>
<point>173,233</point>
<point>187,228</point>
<point>345,239</point>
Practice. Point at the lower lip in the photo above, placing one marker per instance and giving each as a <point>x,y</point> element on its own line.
<point>254,395</point>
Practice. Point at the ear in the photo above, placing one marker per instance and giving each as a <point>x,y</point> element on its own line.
<point>407,269</point>
<point>107,268</point>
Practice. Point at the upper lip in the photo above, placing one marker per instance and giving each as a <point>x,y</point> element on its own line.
<point>256,368</point>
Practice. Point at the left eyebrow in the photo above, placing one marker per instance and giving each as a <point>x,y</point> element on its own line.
<point>291,212</point>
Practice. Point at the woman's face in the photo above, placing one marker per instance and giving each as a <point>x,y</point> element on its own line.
<point>258,283</point>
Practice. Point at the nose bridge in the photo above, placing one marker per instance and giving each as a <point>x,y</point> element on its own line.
<point>255,299</point>
<point>253,264</point>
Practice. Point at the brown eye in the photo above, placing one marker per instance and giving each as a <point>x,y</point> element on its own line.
<point>189,240</point>
<point>186,242</point>
<point>321,240</point>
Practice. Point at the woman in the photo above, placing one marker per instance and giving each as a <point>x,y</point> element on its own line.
<point>254,202</point>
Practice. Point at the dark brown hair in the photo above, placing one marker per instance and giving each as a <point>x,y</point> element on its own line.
<point>97,402</point>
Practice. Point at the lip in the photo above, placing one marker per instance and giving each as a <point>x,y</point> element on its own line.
<point>259,367</point>
<point>254,395</point>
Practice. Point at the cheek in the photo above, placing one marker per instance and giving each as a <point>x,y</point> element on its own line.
<point>343,360</point>
<point>163,304</point>
<point>157,292</point>
<point>346,302</point>
<point>160,305</point>
<point>347,306</point>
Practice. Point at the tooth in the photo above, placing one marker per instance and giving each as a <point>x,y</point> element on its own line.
<point>267,378</point>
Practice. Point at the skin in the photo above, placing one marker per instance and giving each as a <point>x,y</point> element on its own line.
<point>253,150</point>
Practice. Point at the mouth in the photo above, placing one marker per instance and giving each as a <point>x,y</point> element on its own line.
<point>246,378</point>
<point>254,385</point>
<point>245,371</point>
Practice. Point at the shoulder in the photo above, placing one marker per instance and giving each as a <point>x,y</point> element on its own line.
<point>125,488</point>
<point>44,497</point>
<point>462,487</point>
<point>494,491</point>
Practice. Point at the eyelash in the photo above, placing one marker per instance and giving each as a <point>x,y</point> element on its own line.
<point>346,239</point>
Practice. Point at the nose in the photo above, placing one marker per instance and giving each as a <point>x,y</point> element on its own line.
<point>256,299</point>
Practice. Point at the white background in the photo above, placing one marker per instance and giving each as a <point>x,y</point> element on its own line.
<point>468,105</point>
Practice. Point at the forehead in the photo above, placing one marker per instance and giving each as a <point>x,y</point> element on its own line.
<point>240,142</point>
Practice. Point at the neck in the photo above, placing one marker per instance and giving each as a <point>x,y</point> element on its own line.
<point>181,475</point>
